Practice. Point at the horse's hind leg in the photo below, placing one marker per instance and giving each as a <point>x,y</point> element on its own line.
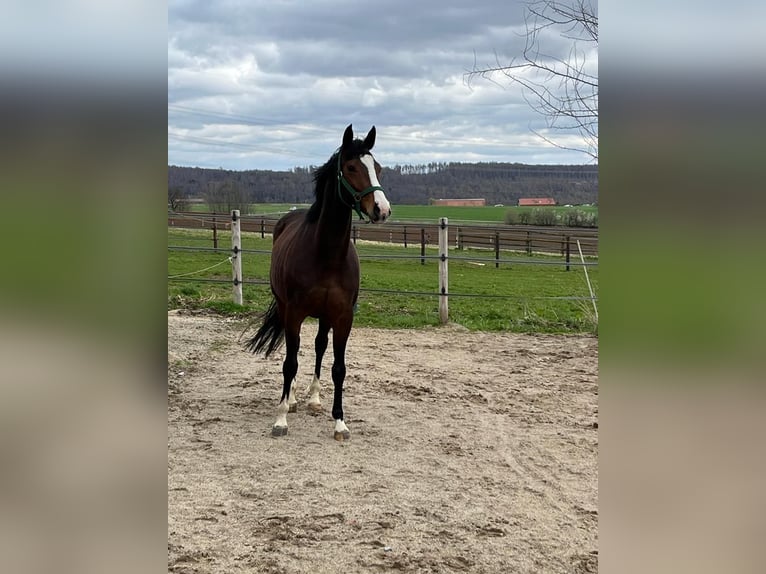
<point>340,335</point>
<point>314,405</point>
<point>289,370</point>
<point>292,401</point>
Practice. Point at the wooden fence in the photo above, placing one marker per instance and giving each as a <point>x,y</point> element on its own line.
<point>475,236</point>
<point>523,238</point>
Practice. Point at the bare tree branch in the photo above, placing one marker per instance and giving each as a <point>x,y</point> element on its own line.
<point>562,90</point>
<point>176,198</point>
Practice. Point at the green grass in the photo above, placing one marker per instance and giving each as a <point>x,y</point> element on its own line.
<point>523,311</point>
<point>427,213</point>
<point>486,214</point>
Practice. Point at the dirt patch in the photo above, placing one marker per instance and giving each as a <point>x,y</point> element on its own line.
<point>469,452</point>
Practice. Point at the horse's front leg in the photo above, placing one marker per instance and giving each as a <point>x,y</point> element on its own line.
<point>289,370</point>
<point>339,340</point>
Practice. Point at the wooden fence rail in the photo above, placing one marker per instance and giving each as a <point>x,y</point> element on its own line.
<point>522,238</point>
<point>237,224</point>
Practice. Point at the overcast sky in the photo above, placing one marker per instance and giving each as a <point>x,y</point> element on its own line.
<point>273,84</point>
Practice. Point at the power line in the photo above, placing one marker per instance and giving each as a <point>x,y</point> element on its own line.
<point>249,120</point>
<point>243,146</point>
<point>257,121</point>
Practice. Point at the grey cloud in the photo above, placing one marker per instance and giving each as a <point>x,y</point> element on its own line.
<point>305,70</point>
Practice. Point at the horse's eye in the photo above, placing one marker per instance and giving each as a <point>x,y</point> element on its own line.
<point>351,168</point>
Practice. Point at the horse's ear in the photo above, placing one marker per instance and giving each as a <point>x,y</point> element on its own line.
<point>369,141</point>
<point>348,136</point>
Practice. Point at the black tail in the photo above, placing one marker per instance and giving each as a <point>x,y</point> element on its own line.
<point>270,335</point>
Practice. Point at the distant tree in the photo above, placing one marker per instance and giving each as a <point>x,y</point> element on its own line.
<point>176,198</point>
<point>564,90</point>
<point>497,183</point>
<point>226,196</point>
<point>541,216</point>
<point>574,218</point>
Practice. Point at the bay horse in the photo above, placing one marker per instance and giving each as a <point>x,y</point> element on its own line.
<point>315,273</point>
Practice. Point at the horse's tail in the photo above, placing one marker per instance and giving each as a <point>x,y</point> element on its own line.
<point>270,335</point>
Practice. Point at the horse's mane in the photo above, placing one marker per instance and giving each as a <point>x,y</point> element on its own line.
<point>325,177</point>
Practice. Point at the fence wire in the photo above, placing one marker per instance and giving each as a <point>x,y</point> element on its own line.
<point>526,261</point>
<point>400,292</point>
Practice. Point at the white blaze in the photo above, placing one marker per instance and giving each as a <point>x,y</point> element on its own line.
<point>380,198</point>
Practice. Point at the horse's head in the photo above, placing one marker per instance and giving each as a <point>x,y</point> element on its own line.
<point>358,174</point>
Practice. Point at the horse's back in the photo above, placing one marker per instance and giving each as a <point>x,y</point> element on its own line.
<point>291,218</point>
<point>286,253</point>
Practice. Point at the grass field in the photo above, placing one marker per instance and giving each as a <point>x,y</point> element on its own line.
<point>514,290</point>
<point>429,213</point>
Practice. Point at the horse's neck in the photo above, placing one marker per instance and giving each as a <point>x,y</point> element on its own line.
<point>333,226</point>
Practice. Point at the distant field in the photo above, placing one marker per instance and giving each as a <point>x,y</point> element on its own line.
<point>429,213</point>
<point>485,214</point>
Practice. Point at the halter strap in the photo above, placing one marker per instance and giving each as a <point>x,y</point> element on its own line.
<point>355,195</point>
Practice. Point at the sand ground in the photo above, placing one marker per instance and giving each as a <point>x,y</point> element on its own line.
<point>469,452</point>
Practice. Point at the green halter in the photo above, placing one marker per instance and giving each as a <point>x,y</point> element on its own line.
<point>355,195</point>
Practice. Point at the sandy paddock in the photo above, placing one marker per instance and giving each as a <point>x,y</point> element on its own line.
<point>470,452</point>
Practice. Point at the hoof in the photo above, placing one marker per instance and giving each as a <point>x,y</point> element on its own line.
<point>293,408</point>
<point>278,431</point>
<point>314,408</point>
<point>341,436</point>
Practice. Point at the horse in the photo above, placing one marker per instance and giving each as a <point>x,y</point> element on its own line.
<point>315,273</point>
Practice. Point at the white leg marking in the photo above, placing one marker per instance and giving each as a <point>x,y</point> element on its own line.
<point>282,414</point>
<point>313,391</point>
<point>340,426</point>
<point>341,431</point>
<point>291,400</point>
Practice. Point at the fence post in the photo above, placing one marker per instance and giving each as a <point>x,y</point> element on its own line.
<point>443,271</point>
<point>215,234</point>
<point>354,234</point>
<point>459,239</point>
<point>587,280</point>
<point>263,229</point>
<point>568,238</point>
<point>422,246</point>
<point>236,258</point>
<point>405,237</point>
<point>497,249</point>
<point>529,244</point>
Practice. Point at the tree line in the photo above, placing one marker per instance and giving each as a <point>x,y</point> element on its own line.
<point>496,182</point>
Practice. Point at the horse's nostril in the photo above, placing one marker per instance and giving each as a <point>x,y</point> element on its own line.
<point>376,209</point>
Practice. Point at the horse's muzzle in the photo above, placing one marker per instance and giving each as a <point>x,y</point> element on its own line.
<point>382,209</point>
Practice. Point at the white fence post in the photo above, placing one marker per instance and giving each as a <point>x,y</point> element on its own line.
<point>236,258</point>
<point>443,268</point>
